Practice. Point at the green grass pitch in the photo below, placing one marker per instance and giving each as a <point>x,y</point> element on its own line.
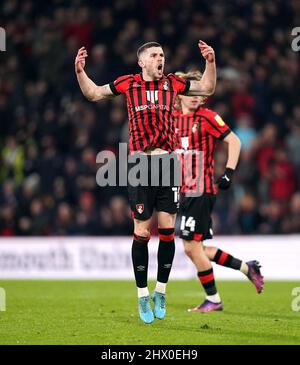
<point>105,312</point>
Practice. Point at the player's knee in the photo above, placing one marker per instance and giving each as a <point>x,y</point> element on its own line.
<point>166,219</point>
<point>188,248</point>
<point>201,246</point>
<point>142,232</point>
<point>206,251</point>
<point>191,246</point>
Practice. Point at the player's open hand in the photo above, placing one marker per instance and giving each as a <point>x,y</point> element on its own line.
<point>207,52</point>
<point>80,60</point>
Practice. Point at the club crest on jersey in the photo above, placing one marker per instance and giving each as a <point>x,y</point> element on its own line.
<point>195,127</point>
<point>152,95</point>
<point>136,84</point>
<point>166,85</point>
<point>140,208</point>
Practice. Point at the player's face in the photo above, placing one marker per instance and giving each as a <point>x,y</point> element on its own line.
<point>192,102</point>
<point>152,61</point>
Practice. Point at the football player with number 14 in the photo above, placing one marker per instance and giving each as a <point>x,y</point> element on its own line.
<point>198,129</point>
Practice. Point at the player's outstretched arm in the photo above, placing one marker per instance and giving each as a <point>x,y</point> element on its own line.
<point>234,148</point>
<point>208,81</point>
<point>89,89</point>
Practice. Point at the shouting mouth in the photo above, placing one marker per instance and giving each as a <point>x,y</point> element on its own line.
<point>159,68</point>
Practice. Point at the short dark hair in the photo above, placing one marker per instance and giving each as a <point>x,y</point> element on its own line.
<point>146,46</point>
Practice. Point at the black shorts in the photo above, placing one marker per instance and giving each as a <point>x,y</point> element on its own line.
<point>195,217</point>
<point>155,193</point>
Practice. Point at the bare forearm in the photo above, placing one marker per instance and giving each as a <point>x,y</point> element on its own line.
<point>87,86</point>
<point>234,148</point>
<point>206,86</point>
<point>209,78</point>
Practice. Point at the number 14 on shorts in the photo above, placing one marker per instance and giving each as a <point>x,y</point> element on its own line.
<point>188,223</point>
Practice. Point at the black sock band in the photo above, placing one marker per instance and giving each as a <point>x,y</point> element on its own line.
<point>224,259</point>
<point>165,253</point>
<point>140,257</point>
<point>207,280</point>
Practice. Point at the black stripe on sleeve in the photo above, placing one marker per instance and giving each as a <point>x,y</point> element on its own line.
<point>113,85</point>
<point>225,134</point>
<point>122,80</point>
<point>181,80</point>
<point>187,87</point>
<point>113,88</point>
<point>215,126</point>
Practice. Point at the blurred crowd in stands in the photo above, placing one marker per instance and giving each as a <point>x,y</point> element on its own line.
<point>50,135</point>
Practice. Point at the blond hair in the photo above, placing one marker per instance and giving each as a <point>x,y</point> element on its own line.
<point>191,75</point>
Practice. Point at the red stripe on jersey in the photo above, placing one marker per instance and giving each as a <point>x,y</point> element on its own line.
<point>210,163</point>
<point>147,131</point>
<point>173,97</point>
<point>131,127</point>
<point>162,116</point>
<point>203,148</point>
<point>214,189</point>
<point>139,121</point>
<point>201,170</point>
<point>193,170</point>
<point>197,168</point>
<point>133,131</point>
<point>164,128</point>
<point>170,101</point>
<point>157,116</point>
<point>184,124</point>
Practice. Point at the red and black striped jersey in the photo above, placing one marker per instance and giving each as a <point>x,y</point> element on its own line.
<point>150,106</point>
<point>198,132</point>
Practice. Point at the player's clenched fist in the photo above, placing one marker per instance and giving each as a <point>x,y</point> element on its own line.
<point>225,180</point>
<point>207,52</point>
<point>80,60</point>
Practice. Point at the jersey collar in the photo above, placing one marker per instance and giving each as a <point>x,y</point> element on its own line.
<point>140,76</point>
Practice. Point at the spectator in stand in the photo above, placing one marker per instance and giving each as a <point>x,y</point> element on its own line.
<point>291,223</point>
<point>245,131</point>
<point>12,161</point>
<point>272,216</point>
<point>282,177</point>
<point>7,221</point>
<point>63,222</point>
<point>293,146</point>
<point>249,218</point>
